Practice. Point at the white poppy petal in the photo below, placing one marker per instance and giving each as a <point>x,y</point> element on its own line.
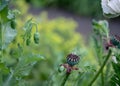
<point>118,4</point>
<point>106,8</point>
<point>114,4</point>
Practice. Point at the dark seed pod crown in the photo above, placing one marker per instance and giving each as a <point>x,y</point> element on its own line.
<point>115,40</point>
<point>72,59</point>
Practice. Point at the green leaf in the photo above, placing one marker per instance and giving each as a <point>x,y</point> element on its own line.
<point>3,68</point>
<point>0,38</point>
<point>115,80</point>
<point>3,4</point>
<point>22,83</point>
<point>35,57</point>
<point>117,68</point>
<point>8,34</point>
<point>3,15</point>
<point>26,64</point>
<point>101,27</point>
<point>12,14</point>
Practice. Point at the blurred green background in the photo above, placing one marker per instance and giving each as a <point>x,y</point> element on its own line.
<point>81,11</point>
<point>59,36</point>
<point>82,7</point>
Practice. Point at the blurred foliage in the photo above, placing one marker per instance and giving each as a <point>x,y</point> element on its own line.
<point>83,7</point>
<point>27,39</point>
<point>57,38</point>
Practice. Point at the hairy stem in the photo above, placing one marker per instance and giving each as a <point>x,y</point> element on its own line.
<point>101,68</point>
<point>65,79</point>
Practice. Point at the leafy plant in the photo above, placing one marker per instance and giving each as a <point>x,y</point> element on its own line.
<point>21,66</point>
<point>24,45</point>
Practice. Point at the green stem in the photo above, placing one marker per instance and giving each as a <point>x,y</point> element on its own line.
<point>8,81</point>
<point>102,78</point>
<point>65,79</point>
<point>1,79</point>
<point>101,68</point>
<point>101,49</point>
<point>36,26</point>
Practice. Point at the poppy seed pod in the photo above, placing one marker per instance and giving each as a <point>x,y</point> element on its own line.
<point>115,40</point>
<point>72,59</point>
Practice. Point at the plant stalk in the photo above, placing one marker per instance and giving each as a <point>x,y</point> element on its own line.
<point>101,68</point>
<point>65,79</point>
<point>1,79</point>
<point>8,81</point>
<point>101,49</point>
<point>102,78</point>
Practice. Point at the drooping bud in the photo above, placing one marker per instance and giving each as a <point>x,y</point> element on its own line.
<point>36,37</point>
<point>61,68</point>
<point>13,24</point>
<point>28,42</point>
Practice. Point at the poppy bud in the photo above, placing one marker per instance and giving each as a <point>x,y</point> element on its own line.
<point>28,42</point>
<point>36,37</point>
<point>61,68</point>
<point>13,24</point>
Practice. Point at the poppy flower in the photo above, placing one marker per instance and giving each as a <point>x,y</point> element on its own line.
<point>111,8</point>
